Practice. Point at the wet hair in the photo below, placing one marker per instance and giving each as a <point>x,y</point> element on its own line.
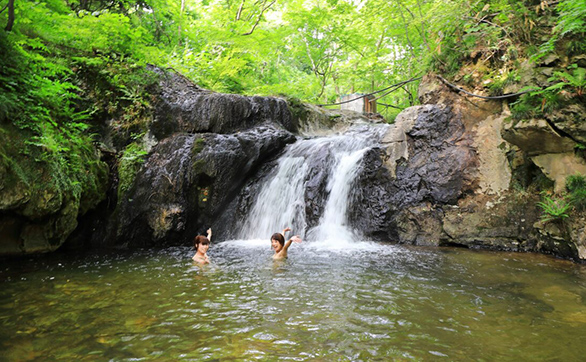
<point>279,237</point>
<point>200,239</point>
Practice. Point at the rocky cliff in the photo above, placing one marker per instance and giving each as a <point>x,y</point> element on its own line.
<point>462,172</point>
<point>456,170</point>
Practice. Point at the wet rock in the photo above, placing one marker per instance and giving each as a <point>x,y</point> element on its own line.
<point>372,208</point>
<point>426,161</point>
<point>188,180</point>
<point>439,161</point>
<point>421,225</point>
<point>184,107</point>
<point>316,186</point>
<point>554,238</point>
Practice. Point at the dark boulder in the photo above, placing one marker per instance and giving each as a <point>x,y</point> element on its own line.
<point>181,106</point>
<point>188,180</point>
<point>436,170</point>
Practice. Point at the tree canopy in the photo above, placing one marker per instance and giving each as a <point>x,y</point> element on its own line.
<point>314,50</point>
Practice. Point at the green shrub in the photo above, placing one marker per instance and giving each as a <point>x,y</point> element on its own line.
<point>575,182</point>
<point>570,24</point>
<point>578,199</point>
<point>575,81</point>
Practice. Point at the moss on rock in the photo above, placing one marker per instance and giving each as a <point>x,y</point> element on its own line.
<point>44,190</point>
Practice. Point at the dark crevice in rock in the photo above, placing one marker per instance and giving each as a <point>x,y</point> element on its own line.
<point>453,244</point>
<point>560,132</point>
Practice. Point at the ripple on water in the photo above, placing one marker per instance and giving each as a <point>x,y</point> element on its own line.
<point>365,301</point>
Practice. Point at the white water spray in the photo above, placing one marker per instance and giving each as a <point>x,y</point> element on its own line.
<point>282,199</point>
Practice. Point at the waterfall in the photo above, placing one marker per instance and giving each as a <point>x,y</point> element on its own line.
<point>329,164</point>
<point>333,222</point>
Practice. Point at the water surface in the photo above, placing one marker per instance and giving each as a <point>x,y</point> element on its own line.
<point>327,302</point>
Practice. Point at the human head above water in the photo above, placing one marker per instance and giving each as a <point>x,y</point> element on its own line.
<point>278,237</point>
<point>200,239</point>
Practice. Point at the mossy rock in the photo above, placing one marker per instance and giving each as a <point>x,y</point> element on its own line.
<point>42,192</point>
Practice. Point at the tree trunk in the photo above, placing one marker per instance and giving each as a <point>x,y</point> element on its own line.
<point>240,10</point>
<point>10,22</point>
<point>180,21</point>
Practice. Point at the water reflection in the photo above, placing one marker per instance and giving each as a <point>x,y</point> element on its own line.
<point>365,301</point>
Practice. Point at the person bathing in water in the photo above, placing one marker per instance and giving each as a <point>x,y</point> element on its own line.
<point>201,246</point>
<point>280,246</point>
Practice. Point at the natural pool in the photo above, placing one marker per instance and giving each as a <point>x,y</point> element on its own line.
<point>349,302</point>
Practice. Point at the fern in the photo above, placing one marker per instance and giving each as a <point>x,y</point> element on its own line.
<point>572,17</point>
<point>555,210</point>
<point>577,80</point>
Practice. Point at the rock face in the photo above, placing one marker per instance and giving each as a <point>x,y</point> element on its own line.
<point>183,107</point>
<point>202,147</point>
<point>188,180</point>
<point>446,175</point>
<point>39,200</point>
<point>452,171</point>
<point>549,148</point>
<point>205,153</point>
<point>429,162</point>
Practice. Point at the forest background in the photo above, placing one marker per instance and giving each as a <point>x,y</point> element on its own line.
<point>67,66</point>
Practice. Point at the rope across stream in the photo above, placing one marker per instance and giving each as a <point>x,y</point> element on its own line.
<point>396,86</point>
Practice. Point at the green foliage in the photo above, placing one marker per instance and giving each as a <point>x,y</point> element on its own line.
<point>494,32</point>
<point>70,64</point>
<point>198,145</point>
<point>572,19</point>
<point>576,186</point>
<point>535,104</point>
<point>570,23</point>
<point>129,164</point>
<point>557,208</point>
<point>554,209</point>
<point>38,98</point>
<point>499,79</point>
<point>574,81</point>
<point>567,85</point>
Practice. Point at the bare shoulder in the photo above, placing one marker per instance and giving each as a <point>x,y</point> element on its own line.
<point>200,260</point>
<point>280,255</point>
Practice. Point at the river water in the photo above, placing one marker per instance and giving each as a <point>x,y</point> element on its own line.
<point>358,301</point>
<point>335,298</point>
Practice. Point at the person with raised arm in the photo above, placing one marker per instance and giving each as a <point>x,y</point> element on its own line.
<point>280,246</point>
<point>201,246</point>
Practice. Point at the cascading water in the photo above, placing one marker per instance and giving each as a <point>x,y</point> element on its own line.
<point>333,161</point>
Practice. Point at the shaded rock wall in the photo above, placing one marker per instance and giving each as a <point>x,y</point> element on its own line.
<point>41,194</point>
<point>460,173</point>
<point>188,180</point>
<point>202,146</point>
